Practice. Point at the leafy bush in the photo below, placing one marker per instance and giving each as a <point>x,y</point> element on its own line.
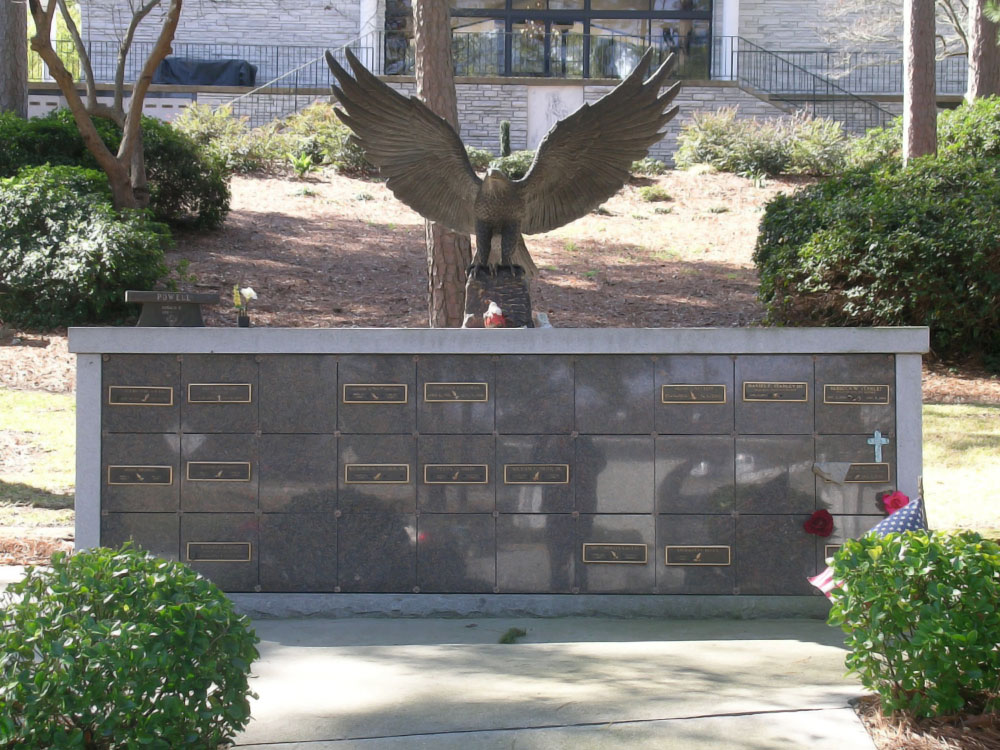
<point>754,147</point>
<point>66,256</point>
<point>919,246</point>
<point>649,167</point>
<point>230,140</point>
<point>516,165</point>
<point>316,131</point>
<point>480,158</point>
<point>654,193</point>
<point>186,186</point>
<point>970,130</point>
<point>919,610</point>
<point>117,649</point>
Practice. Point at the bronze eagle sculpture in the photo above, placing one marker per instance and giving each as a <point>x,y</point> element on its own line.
<point>582,161</point>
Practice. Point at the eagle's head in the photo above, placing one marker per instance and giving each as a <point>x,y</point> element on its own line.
<point>494,173</point>
<point>496,182</point>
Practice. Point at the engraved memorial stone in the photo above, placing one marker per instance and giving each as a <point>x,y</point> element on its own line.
<point>131,395</point>
<point>536,473</point>
<point>772,391</point>
<point>855,394</point>
<point>615,553</point>
<point>456,474</point>
<point>220,393</point>
<point>377,473</point>
<point>218,471</point>
<point>218,552</point>
<point>160,475</point>
<point>698,555</point>
<point>374,393</point>
<point>449,392</point>
<point>171,309</point>
<point>692,394</point>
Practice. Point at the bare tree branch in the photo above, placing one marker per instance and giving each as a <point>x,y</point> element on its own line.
<point>126,45</point>
<point>81,52</point>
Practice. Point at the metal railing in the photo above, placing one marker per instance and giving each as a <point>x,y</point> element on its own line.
<point>765,72</point>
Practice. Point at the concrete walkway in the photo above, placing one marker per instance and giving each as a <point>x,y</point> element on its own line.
<point>580,683</point>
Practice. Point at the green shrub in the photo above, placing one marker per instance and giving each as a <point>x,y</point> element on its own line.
<point>919,246</point>
<point>818,147</point>
<point>921,617</point>
<point>316,131</point>
<point>516,165</point>
<point>479,158</point>
<point>654,193</point>
<point>116,649</point>
<point>649,167</point>
<point>66,256</point>
<point>230,140</point>
<point>186,186</point>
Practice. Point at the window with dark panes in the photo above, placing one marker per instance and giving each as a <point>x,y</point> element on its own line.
<point>561,38</point>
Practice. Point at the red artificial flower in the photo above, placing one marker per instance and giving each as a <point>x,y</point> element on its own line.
<point>893,501</point>
<point>820,523</point>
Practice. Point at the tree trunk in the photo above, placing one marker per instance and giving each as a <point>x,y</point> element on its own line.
<point>919,95</point>
<point>984,53</point>
<point>14,64</point>
<point>448,253</point>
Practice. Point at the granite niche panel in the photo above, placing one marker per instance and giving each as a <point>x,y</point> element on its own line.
<point>219,393</point>
<point>222,547</point>
<point>456,474</point>
<point>614,395</point>
<point>855,393</point>
<point>377,473</point>
<point>774,475</point>
<point>694,395</point>
<point>534,395</point>
<point>614,474</point>
<point>377,552</point>
<point>775,395</point>
<point>298,473</point>
<point>298,393</point>
<point>298,552</point>
<point>616,554</point>
<point>694,554</point>
<point>858,481</point>
<point>455,394</point>
<point>140,473</point>
<point>844,527</point>
<point>219,473</point>
<point>456,553</point>
<point>376,394</point>
<point>774,555</point>
<point>536,553</point>
<point>694,474</point>
<point>535,474</point>
<point>157,533</point>
<point>142,393</point>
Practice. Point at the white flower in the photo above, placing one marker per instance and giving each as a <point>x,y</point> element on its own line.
<point>247,293</point>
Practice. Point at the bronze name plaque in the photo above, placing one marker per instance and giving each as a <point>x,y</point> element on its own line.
<point>693,394</point>
<point>219,393</point>
<point>829,550</point>
<point>218,471</point>
<point>461,392</point>
<point>634,554</point>
<point>536,473</point>
<point>377,473</point>
<point>456,474</point>
<point>162,475</point>
<point>868,473</point>
<point>218,552</point>
<point>712,554</point>
<point>855,394</point>
<point>375,393</point>
<point>140,395</point>
<point>768,391</point>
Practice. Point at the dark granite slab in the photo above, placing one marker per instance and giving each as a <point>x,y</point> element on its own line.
<point>774,475</point>
<point>298,552</point>
<point>233,536</point>
<point>694,410</point>
<point>142,393</point>
<point>367,492</point>
<point>220,393</point>
<point>780,382</point>
<point>298,393</point>
<point>140,473</point>
<point>844,527</point>
<point>611,577</point>
<point>536,553</point>
<point>855,393</point>
<point>694,474</point>
<point>222,461</point>
<point>298,473</point>
<point>535,474</point>
<point>378,552</point>
<point>156,533</point>
<point>456,473</point>
<point>455,394</point>
<point>456,553</point>
<point>614,395</point>
<point>855,497</point>
<point>774,555</point>
<point>697,553</point>
<point>381,409</point>
<point>614,474</point>
<point>534,395</point>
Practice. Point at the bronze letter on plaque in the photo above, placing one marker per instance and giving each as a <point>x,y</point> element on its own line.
<point>218,471</point>
<point>219,393</point>
<point>536,473</point>
<point>855,394</point>
<point>867,474</point>
<point>712,554</point>
<point>376,473</point>
<point>218,552</point>
<point>456,474</point>
<point>768,391</point>
<point>634,554</point>
<point>162,475</point>
<point>140,395</point>
<point>456,392</point>
<point>693,394</point>
<point>375,393</point>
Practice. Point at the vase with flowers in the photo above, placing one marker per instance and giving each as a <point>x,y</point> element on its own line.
<point>241,301</point>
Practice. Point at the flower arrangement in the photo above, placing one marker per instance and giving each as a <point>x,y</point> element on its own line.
<point>241,301</point>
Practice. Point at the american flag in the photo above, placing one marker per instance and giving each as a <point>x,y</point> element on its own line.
<point>908,518</point>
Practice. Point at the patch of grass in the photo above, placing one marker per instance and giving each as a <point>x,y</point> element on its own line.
<point>364,197</point>
<point>962,466</point>
<point>590,274</point>
<point>654,194</point>
<point>307,192</point>
<point>569,247</point>
<point>512,635</point>
<point>666,254</point>
<point>663,210</point>
<point>640,217</point>
<point>718,209</point>
<point>602,211</point>
<point>550,268</point>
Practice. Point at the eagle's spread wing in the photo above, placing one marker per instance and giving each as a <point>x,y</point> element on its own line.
<point>585,158</point>
<point>418,152</point>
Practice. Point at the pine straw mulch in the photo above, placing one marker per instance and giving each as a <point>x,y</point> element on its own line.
<point>962,732</point>
<point>30,550</point>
